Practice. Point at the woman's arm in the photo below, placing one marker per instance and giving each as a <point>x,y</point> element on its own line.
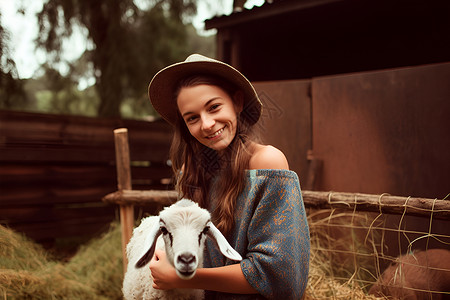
<point>229,279</point>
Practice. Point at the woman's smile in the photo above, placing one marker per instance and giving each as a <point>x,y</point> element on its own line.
<point>216,134</point>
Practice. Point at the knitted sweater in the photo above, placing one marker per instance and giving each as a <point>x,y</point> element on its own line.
<point>272,235</point>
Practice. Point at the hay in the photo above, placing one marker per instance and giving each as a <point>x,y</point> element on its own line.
<point>339,265</point>
<point>53,282</point>
<point>99,264</point>
<point>27,271</point>
<point>322,284</point>
<point>20,253</point>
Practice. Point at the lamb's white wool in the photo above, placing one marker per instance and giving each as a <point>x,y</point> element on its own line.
<point>180,230</point>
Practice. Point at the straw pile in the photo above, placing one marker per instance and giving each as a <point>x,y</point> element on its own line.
<point>95,272</point>
<point>28,272</point>
<point>326,280</point>
<point>342,264</point>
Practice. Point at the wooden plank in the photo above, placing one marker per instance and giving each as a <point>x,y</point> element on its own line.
<point>52,213</point>
<point>32,195</point>
<point>124,183</point>
<point>439,209</point>
<point>49,222</point>
<point>152,172</point>
<point>33,137</point>
<point>314,170</point>
<point>68,228</point>
<point>53,154</point>
<point>77,130</point>
<point>122,159</point>
<point>136,197</point>
<point>153,185</point>
<point>38,151</point>
<point>65,129</point>
<point>80,175</point>
<point>150,152</point>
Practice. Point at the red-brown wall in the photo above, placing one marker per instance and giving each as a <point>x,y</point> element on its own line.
<point>375,132</point>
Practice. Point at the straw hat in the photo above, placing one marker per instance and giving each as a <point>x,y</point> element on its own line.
<point>161,88</point>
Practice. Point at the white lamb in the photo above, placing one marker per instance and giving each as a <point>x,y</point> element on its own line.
<point>184,227</point>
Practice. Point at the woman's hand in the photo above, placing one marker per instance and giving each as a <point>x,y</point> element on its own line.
<point>229,279</point>
<point>163,273</point>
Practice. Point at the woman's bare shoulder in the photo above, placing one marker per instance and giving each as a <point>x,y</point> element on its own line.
<point>268,157</point>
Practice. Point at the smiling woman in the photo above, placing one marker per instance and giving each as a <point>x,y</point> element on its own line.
<point>218,162</point>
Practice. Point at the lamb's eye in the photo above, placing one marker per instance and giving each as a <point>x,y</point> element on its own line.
<point>204,232</point>
<point>163,230</point>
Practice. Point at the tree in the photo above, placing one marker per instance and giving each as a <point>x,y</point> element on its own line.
<point>12,94</point>
<point>129,45</point>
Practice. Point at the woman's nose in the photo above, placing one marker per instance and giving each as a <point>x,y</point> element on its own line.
<point>207,122</point>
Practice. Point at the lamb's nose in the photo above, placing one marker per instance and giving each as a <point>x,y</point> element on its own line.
<point>186,258</point>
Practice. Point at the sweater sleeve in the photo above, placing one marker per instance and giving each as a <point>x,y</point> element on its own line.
<point>277,255</point>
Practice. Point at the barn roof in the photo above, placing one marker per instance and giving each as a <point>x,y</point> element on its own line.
<point>306,38</point>
<point>268,9</point>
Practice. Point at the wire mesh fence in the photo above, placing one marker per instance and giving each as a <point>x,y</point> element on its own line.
<point>369,246</point>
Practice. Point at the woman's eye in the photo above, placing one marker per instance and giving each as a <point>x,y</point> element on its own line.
<point>191,119</point>
<point>214,107</point>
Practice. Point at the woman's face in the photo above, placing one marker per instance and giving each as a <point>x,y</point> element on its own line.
<point>210,114</point>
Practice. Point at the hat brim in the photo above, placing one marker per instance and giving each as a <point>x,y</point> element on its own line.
<point>162,87</point>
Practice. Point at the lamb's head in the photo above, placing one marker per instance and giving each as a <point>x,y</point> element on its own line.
<point>184,227</point>
<point>184,230</point>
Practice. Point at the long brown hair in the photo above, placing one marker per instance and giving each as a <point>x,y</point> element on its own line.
<point>201,175</point>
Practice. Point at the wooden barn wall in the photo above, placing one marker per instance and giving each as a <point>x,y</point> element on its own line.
<point>384,131</point>
<point>54,171</point>
<point>286,120</point>
<point>375,132</point>
<point>387,131</point>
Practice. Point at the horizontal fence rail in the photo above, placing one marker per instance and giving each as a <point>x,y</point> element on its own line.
<point>383,203</point>
<point>312,199</point>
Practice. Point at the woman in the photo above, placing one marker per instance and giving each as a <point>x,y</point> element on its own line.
<point>247,186</point>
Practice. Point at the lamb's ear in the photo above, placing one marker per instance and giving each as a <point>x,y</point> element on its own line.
<point>222,243</point>
<point>150,244</point>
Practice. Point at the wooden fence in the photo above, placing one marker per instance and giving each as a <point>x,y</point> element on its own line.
<point>54,171</point>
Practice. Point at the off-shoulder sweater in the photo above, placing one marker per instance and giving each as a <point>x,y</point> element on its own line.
<point>272,235</point>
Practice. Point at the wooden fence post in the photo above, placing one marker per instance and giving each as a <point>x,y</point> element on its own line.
<point>124,183</point>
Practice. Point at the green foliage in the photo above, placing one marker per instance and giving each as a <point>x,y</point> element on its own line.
<point>130,46</point>
<point>68,101</point>
<point>55,94</point>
